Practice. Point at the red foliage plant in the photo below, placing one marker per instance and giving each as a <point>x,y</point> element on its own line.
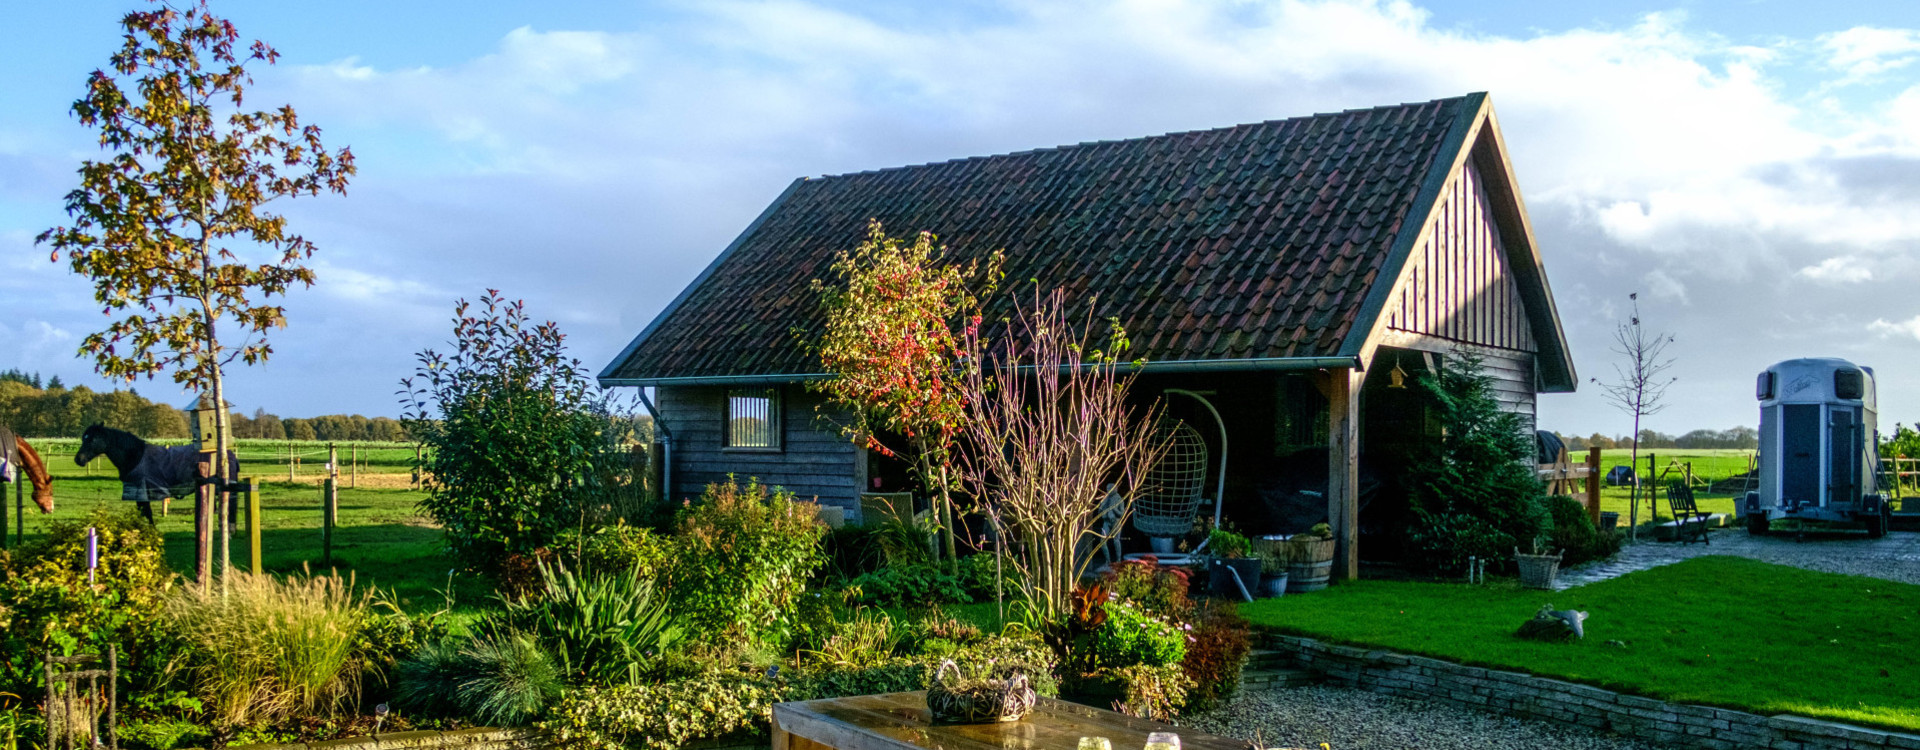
<point>1221,641</point>
<point>1161,590</point>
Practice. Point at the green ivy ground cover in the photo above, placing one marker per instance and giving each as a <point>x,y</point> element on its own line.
<point>1719,631</point>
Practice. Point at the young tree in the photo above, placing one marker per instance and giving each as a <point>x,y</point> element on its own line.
<point>1050,437</point>
<point>171,227</point>
<point>1639,388</point>
<point>891,342</point>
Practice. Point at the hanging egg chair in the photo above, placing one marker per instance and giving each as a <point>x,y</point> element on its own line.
<point>1166,506</point>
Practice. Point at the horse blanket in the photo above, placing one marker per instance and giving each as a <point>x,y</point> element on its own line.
<point>167,471</point>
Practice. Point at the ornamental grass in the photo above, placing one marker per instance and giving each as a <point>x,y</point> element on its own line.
<point>270,648</point>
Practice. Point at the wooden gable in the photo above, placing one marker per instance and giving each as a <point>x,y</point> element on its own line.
<point>1459,284</point>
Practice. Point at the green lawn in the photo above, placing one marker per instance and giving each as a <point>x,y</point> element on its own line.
<point>1718,631</point>
<point>381,538</point>
<point>1712,465</point>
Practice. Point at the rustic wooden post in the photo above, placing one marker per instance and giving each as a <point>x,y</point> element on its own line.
<point>3,510</point>
<point>202,522</point>
<point>330,508</point>
<point>253,525</point>
<point>1343,470</point>
<point>1593,483</point>
<point>1653,493</point>
<point>290,459</point>
<point>356,465</point>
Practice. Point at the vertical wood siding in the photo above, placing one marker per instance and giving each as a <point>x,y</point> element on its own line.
<point>1459,286</point>
<point>814,462</point>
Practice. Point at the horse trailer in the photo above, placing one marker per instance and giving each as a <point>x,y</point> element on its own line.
<point>1819,447</point>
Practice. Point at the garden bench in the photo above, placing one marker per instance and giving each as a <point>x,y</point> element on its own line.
<point>1689,521</point>
<point>896,721</point>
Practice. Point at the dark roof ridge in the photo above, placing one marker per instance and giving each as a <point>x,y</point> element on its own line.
<point>1169,134</point>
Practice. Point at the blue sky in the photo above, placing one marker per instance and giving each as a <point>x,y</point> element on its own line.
<point>1752,169</point>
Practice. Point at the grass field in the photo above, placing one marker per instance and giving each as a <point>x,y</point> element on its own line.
<point>1719,631</point>
<point>381,538</point>
<point>1710,465</point>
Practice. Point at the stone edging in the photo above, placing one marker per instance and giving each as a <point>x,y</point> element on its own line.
<point>1527,696</point>
<point>479,738</point>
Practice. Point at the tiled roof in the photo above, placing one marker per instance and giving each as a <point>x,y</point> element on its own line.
<point>1249,242</point>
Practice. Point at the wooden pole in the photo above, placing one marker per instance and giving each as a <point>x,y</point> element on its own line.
<point>253,525</point>
<point>1653,508</point>
<point>1343,470</point>
<point>202,520</point>
<point>330,509</point>
<point>356,466</point>
<point>290,459</point>
<point>19,513</point>
<point>1593,484</point>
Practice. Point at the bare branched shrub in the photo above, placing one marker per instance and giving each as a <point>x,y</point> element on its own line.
<point>1049,437</point>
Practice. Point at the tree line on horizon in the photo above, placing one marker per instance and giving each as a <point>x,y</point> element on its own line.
<point>1734,438</point>
<point>35,408</point>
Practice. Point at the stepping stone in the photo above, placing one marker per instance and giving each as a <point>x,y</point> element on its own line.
<point>1276,679</point>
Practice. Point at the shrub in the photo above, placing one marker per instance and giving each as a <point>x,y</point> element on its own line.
<point>666,715</point>
<point>1151,692</point>
<point>977,572</point>
<point>47,603</point>
<point>1157,589</point>
<point>938,624</point>
<point>745,555</point>
<point>1574,532</point>
<point>267,648</point>
<point>601,628</point>
<point>1221,642</point>
<point>1228,544</point>
<point>520,441</point>
<point>620,548</point>
<point>509,679</point>
<point>1473,492</point>
<point>867,638</point>
<point>1130,636</point>
<point>909,584</point>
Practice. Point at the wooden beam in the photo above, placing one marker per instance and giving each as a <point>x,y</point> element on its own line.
<point>1343,470</point>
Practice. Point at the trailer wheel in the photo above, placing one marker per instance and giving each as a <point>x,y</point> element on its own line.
<point>1877,524</point>
<point>1758,524</point>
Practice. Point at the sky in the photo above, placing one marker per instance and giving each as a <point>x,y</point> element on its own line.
<point>1749,168</point>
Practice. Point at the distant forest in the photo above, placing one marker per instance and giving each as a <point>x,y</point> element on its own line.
<point>50,409</point>
<point>1738,438</point>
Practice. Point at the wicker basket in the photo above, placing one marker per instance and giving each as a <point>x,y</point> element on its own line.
<point>1538,571</point>
<point>954,699</point>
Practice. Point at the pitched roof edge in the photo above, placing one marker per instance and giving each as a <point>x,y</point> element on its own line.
<point>1255,364</point>
<point>1542,311</point>
<point>1453,152</point>
<point>605,377</point>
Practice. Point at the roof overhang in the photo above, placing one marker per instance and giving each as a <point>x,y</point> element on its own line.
<point>1266,364</point>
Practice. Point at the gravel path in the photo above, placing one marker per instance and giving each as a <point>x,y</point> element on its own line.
<point>1349,719</point>
<point>1895,557</point>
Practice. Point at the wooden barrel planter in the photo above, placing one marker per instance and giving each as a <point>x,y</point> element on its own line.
<point>1309,564</point>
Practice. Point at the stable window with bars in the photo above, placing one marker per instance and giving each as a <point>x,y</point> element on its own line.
<point>753,418</point>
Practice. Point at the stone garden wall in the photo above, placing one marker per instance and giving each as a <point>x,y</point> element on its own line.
<point>1527,696</point>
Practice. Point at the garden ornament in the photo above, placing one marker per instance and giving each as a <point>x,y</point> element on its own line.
<point>1550,624</point>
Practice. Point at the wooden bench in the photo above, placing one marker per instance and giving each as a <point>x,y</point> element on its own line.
<point>1691,524</point>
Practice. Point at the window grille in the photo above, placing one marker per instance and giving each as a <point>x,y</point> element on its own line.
<point>753,418</point>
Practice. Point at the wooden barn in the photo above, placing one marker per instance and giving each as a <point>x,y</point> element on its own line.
<point>1282,280</point>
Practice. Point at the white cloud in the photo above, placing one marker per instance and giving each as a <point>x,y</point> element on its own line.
<point>1909,327</point>
<point>1864,52</point>
<point>1841,270</point>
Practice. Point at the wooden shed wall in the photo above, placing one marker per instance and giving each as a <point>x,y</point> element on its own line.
<point>814,462</point>
<point>1459,285</point>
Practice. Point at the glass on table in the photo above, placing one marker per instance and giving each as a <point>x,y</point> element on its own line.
<point>1163,741</point>
<point>1095,743</point>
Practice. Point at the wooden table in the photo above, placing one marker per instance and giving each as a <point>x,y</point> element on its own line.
<point>900,720</point>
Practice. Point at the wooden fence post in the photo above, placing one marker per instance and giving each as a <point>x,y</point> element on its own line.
<point>1653,505</point>
<point>202,523</point>
<point>330,510</point>
<point>1593,484</point>
<point>356,465</point>
<point>253,525</point>
<point>19,513</point>
<point>290,462</point>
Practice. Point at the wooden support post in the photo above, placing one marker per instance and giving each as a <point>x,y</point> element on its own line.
<point>290,460</point>
<point>1593,484</point>
<point>356,465</point>
<point>253,525</point>
<point>330,508</point>
<point>1343,470</point>
<point>19,513</point>
<point>202,523</point>
<point>1653,493</point>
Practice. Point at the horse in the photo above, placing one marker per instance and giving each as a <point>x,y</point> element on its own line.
<point>17,456</point>
<point>148,472</point>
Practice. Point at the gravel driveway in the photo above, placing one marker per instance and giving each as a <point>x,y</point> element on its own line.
<point>1895,557</point>
<point>1348,719</point>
